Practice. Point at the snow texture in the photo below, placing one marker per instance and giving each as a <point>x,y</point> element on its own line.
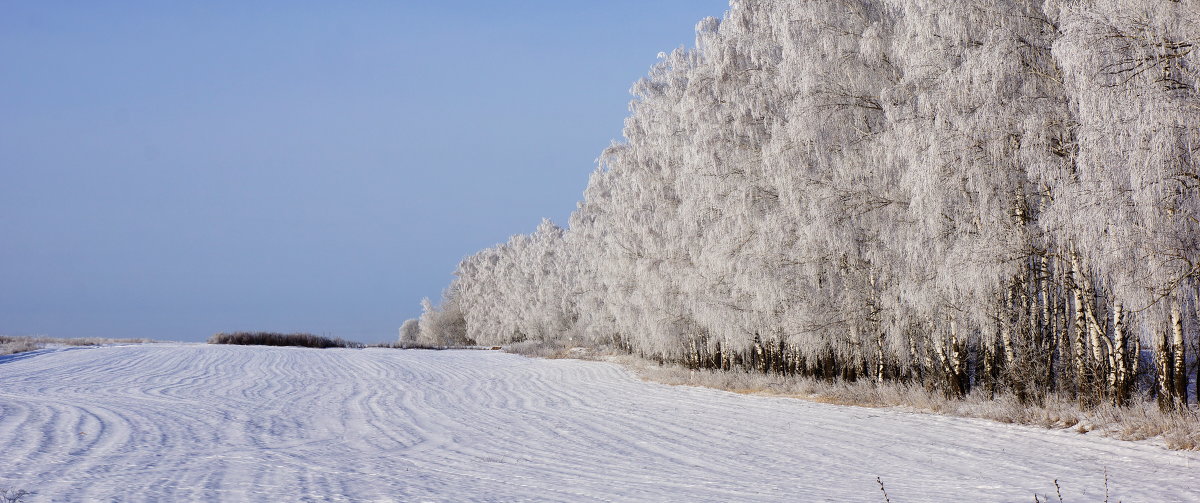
<point>179,422</point>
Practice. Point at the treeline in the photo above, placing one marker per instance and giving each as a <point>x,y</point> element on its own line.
<point>994,197</point>
<point>279,339</point>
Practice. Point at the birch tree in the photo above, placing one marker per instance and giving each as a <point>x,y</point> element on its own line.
<point>1000,194</point>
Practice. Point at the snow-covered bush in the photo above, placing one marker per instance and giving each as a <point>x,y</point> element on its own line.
<point>10,345</point>
<point>410,330</point>
<point>442,325</point>
<point>279,339</point>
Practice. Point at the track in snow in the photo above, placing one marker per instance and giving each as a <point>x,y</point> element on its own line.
<point>185,422</point>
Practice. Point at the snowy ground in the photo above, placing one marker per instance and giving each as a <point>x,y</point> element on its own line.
<point>178,422</point>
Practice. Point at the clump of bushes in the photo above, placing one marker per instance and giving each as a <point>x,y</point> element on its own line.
<point>14,345</point>
<point>413,345</point>
<point>278,339</point>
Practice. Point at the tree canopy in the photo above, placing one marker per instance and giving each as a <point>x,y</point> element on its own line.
<point>998,195</point>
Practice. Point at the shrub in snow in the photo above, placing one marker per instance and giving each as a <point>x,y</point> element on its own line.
<point>278,339</point>
<point>410,331</point>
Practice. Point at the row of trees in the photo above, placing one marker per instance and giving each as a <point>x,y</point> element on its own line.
<point>997,196</point>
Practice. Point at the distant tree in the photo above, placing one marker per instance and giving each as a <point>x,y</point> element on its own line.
<point>410,331</point>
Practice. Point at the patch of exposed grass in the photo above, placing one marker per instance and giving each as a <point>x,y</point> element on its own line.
<point>418,345</point>
<point>556,349</point>
<point>13,345</point>
<point>1176,430</point>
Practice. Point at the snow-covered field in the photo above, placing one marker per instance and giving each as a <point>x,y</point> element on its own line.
<point>180,422</point>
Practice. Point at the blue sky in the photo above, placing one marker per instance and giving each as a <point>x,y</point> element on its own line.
<point>173,169</point>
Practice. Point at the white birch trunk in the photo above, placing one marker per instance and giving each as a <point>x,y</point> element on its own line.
<point>1047,323</point>
<point>957,363</point>
<point>957,358</point>
<point>1162,361</point>
<point>1178,364</point>
<point>1096,338</point>
<point>1006,333</point>
<point>879,366</point>
<point>1117,365</point>
<point>1135,366</point>
<point>1080,346</point>
<point>914,355</point>
<point>943,363</point>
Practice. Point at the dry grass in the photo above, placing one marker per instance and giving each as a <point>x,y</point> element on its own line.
<point>404,345</point>
<point>552,350</point>
<point>419,345</point>
<point>12,345</point>
<point>1176,430</point>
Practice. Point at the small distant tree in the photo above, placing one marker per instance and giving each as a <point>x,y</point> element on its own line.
<point>443,324</point>
<point>410,331</point>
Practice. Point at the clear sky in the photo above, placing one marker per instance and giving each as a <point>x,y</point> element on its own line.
<point>174,169</point>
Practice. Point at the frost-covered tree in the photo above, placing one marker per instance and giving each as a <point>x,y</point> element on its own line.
<point>512,292</point>
<point>410,331</point>
<point>444,324</point>
<point>1130,201</point>
<point>1002,195</point>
